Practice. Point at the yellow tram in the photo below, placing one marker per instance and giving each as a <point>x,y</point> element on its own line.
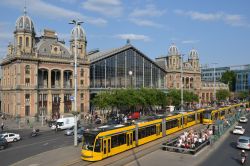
<point>109,140</point>
<point>211,115</point>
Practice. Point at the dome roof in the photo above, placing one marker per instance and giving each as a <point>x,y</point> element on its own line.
<point>193,54</point>
<point>24,23</point>
<point>173,50</point>
<point>80,33</point>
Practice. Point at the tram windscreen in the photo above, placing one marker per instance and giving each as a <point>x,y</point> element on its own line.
<point>207,115</point>
<point>88,141</point>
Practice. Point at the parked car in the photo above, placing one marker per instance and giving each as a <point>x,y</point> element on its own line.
<point>80,134</point>
<point>98,121</point>
<point>3,143</point>
<point>243,142</point>
<point>134,115</point>
<point>238,130</point>
<point>70,131</point>
<point>11,137</point>
<point>243,119</point>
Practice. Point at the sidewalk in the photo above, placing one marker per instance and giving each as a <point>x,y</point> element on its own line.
<point>12,125</point>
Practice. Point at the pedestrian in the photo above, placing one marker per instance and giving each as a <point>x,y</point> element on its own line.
<point>28,121</point>
<point>56,127</point>
<point>2,126</point>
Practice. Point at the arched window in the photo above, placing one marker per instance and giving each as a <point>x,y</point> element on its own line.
<point>27,42</point>
<point>20,41</point>
<point>27,69</point>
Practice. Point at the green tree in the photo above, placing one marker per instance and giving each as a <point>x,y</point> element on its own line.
<point>222,94</point>
<point>130,99</point>
<point>229,77</point>
<point>243,94</point>
<point>174,97</point>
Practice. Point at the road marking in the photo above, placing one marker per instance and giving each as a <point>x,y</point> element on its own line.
<point>45,144</point>
<point>34,164</point>
<point>22,146</point>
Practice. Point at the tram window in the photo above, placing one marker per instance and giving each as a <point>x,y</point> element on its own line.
<point>147,131</point>
<point>97,146</point>
<point>191,118</point>
<point>109,146</point>
<point>104,146</point>
<point>133,135</point>
<point>171,124</point>
<point>207,115</point>
<point>118,140</point>
<point>222,113</point>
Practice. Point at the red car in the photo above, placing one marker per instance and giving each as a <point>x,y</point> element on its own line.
<point>134,115</point>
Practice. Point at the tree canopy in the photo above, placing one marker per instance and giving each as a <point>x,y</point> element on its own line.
<point>127,99</point>
<point>229,77</point>
<point>146,99</point>
<point>222,94</point>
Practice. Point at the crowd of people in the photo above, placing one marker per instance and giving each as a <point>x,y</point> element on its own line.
<point>193,139</point>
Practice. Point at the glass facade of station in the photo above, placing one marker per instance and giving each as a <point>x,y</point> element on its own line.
<point>125,69</point>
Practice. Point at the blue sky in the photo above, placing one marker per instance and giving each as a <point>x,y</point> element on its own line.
<point>218,29</point>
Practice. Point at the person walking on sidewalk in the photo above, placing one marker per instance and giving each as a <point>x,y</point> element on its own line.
<point>2,126</point>
<point>56,129</point>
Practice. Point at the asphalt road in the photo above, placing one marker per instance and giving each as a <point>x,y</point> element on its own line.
<point>227,153</point>
<point>29,146</point>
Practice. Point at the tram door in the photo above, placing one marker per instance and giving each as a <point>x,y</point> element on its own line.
<point>199,118</point>
<point>129,139</point>
<point>106,148</point>
<point>158,129</point>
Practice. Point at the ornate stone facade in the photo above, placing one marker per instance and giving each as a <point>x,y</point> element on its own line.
<point>191,75</point>
<point>38,73</point>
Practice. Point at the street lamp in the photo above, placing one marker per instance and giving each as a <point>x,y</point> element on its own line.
<point>76,23</point>
<point>214,97</point>
<point>181,81</point>
<point>130,73</point>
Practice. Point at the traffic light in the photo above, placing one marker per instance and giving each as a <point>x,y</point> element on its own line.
<point>59,99</point>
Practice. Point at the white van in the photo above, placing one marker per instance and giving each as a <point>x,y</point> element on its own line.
<point>64,123</point>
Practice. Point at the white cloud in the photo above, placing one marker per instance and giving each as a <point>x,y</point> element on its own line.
<point>231,19</point>
<point>106,7</point>
<point>144,22</point>
<point>190,41</point>
<point>40,8</point>
<point>132,36</point>
<point>148,11</point>
<point>143,16</point>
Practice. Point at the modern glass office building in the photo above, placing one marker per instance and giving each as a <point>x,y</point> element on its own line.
<point>124,67</point>
<point>242,80</point>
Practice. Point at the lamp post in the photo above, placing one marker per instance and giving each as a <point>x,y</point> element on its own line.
<point>130,73</point>
<point>42,109</point>
<point>76,23</point>
<point>214,97</point>
<point>182,82</point>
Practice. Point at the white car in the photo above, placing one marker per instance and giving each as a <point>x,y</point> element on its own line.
<point>238,130</point>
<point>243,119</point>
<point>11,137</point>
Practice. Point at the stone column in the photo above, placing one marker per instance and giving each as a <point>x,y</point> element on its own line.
<point>49,78</point>
<point>49,104</point>
<point>62,75</point>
